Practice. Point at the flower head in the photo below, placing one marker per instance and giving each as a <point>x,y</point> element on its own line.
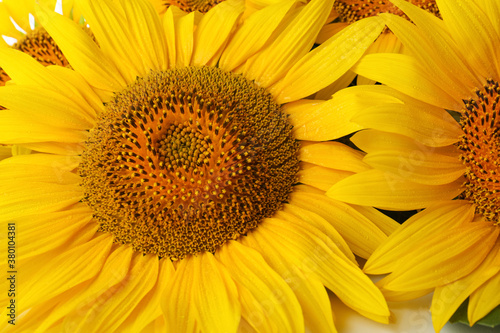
<point>433,143</point>
<point>165,194</point>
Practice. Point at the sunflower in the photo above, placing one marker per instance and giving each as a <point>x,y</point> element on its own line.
<point>433,143</point>
<point>171,191</point>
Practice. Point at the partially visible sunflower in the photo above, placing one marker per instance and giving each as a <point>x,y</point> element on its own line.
<point>346,12</point>
<point>172,191</point>
<point>423,158</point>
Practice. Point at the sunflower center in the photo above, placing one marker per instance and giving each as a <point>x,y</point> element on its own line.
<point>354,10</point>
<point>480,147</point>
<point>188,6</point>
<point>183,160</point>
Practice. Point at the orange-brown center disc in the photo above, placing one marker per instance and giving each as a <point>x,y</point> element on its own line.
<point>188,6</point>
<point>183,160</point>
<point>480,147</point>
<point>350,11</point>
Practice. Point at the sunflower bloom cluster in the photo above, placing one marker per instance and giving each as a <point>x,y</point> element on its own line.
<point>201,166</point>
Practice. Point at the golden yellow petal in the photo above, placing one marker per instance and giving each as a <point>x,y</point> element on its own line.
<point>390,191</point>
<point>214,30</point>
<point>333,155</point>
<point>360,233</point>
<point>258,286</point>
<point>400,246</point>
<point>405,74</point>
<point>328,62</point>
<point>448,298</point>
<point>272,63</point>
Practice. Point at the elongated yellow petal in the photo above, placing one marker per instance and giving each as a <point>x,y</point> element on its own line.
<point>214,30</point>
<point>320,177</point>
<point>258,286</point>
<point>405,74</point>
<point>204,295</point>
<point>430,43</point>
<point>44,106</point>
<point>149,308</point>
<point>318,226</point>
<point>447,299</point>
<point>473,33</point>
<point>423,168</point>
<point>253,34</point>
<point>17,198</point>
<point>484,299</point>
<point>110,278</point>
<point>107,315</point>
<point>343,82</point>
<point>44,232</point>
<point>108,22</point>
<point>309,291</point>
<point>420,122</point>
<point>390,191</point>
<point>360,233</point>
<point>328,62</point>
<point>17,128</point>
<point>85,56</point>
<point>333,155</point>
<point>67,270</point>
<point>382,221</point>
<point>444,258</point>
<point>344,278</point>
<point>293,43</point>
<point>146,34</point>
<point>400,246</point>
<point>321,120</point>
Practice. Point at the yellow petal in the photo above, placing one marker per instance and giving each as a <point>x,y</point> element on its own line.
<point>400,246</point>
<point>253,34</point>
<point>201,296</point>
<point>44,232</point>
<point>361,234</point>
<point>309,291</point>
<point>149,308</point>
<point>328,62</point>
<point>272,63</point>
<point>320,177</point>
<point>110,278</point>
<point>390,191</point>
<point>343,82</point>
<point>431,44</point>
<point>146,34</point>
<point>344,278</point>
<point>18,198</point>
<point>448,298</point>
<point>405,74</point>
<point>473,33</point>
<point>424,123</point>
<point>113,308</point>
<point>70,268</point>
<point>110,28</point>
<point>444,258</point>
<point>84,56</point>
<point>18,128</point>
<point>421,167</point>
<point>258,286</point>
<point>318,226</point>
<point>484,299</point>
<point>382,221</point>
<point>44,106</point>
<point>214,30</point>
<point>333,155</point>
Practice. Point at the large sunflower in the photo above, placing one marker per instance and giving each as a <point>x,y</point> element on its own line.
<point>165,195</point>
<point>423,158</point>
